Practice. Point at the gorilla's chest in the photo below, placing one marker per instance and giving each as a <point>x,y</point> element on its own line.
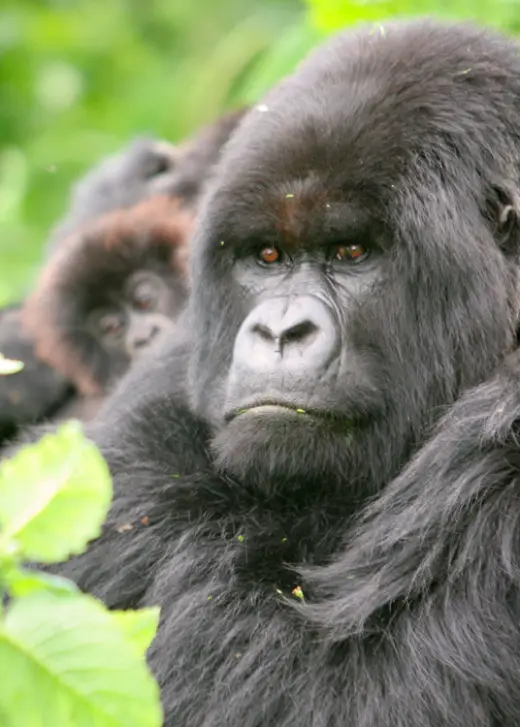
<point>232,650</point>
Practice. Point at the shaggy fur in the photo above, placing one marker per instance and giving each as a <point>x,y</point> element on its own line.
<point>152,235</point>
<point>145,168</point>
<point>364,570</point>
<point>36,391</point>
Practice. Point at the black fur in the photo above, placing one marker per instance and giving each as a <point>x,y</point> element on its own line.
<point>116,182</point>
<point>37,391</point>
<point>361,571</point>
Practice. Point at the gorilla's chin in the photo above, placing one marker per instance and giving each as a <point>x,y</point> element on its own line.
<point>274,447</point>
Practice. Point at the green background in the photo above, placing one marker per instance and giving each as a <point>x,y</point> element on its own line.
<point>79,78</point>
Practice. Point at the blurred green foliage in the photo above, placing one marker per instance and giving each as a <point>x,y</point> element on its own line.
<point>330,15</point>
<point>78,78</point>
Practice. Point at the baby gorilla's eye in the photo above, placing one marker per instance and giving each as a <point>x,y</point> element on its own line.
<point>269,255</point>
<point>351,253</point>
<point>111,325</point>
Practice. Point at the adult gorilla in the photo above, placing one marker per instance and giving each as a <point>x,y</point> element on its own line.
<point>356,277</point>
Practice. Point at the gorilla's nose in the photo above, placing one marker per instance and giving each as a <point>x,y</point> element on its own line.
<point>296,334</point>
<point>143,338</point>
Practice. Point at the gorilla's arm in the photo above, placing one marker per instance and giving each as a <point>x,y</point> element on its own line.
<point>155,446</point>
<point>33,393</point>
<point>454,509</point>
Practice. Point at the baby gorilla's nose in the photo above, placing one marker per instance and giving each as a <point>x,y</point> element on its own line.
<point>141,336</point>
<point>146,338</point>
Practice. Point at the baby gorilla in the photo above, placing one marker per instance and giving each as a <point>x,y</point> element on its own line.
<point>107,295</point>
<point>118,182</point>
<point>145,169</point>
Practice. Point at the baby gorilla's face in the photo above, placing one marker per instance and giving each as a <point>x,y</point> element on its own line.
<point>136,317</point>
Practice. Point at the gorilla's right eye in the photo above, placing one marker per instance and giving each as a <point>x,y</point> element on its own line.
<point>269,255</point>
<point>352,253</point>
<point>111,325</point>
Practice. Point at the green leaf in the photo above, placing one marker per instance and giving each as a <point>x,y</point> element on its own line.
<point>21,583</point>
<point>282,58</point>
<point>66,662</point>
<point>331,15</point>
<point>139,627</point>
<point>9,366</point>
<point>54,496</point>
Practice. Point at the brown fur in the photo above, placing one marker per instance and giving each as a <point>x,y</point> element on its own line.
<point>124,234</point>
<point>293,210</point>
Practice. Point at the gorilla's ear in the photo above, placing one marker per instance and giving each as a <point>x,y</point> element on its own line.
<point>503,206</point>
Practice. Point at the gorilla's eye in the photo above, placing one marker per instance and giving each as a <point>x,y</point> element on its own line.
<point>269,255</point>
<point>111,325</point>
<point>351,253</point>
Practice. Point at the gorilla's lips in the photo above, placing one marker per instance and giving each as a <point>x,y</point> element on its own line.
<point>267,406</point>
<point>277,407</point>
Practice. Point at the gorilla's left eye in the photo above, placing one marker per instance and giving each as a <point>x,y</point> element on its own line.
<point>269,255</point>
<point>351,253</point>
<point>111,324</point>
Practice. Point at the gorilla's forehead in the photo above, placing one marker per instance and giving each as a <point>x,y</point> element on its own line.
<point>359,114</point>
<point>328,141</point>
<point>307,215</point>
<point>292,165</point>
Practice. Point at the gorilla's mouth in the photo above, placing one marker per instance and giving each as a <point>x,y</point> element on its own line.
<point>355,418</point>
<point>271,406</point>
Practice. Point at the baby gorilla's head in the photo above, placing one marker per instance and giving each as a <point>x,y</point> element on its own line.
<point>110,291</point>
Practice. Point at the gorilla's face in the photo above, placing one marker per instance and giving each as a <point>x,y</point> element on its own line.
<point>348,281</point>
<point>289,355</point>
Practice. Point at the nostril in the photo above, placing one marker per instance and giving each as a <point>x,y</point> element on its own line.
<point>300,332</point>
<point>143,341</point>
<point>265,333</point>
